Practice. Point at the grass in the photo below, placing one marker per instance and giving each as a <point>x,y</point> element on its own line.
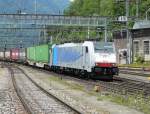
<point>75,86</point>
<point>136,102</point>
<point>136,65</point>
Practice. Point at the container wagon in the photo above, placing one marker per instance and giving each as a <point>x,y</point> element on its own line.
<point>2,55</point>
<point>31,56</point>
<point>7,55</point>
<point>22,55</point>
<point>39,55</point>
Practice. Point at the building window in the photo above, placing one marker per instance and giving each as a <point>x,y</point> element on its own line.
<point>146,47</point>
<point>136,47</point>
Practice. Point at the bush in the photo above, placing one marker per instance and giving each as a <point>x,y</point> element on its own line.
<point>139,59</point>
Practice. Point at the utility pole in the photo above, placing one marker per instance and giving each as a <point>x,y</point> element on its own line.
<point>147,13</point>
<point>4,51</point>
<point>51,39</point>
<point>88,35</point>
<point>35,6</point>
<point>137,8</point>
<point>105,30</point>
<point>127,34</point>
<point>88,32</point>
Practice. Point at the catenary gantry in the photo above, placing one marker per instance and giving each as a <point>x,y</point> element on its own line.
<point>23,30</point>
<point>57,20</point>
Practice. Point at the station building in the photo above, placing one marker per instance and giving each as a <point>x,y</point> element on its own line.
<point>139,38</point>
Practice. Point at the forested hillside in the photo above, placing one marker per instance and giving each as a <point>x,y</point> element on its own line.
<point>106,7</point>
<point>110,8</point>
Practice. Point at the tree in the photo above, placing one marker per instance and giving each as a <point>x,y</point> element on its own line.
<point>106,8</point>
<point>75,8</point>
<point>90,8</point>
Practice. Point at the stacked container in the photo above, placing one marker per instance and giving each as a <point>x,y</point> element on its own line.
<point>22,55</point>
<point>7,55</point>
<point>1,55</point>
<point>39,55</point>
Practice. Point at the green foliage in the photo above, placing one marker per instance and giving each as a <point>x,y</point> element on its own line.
<point>68,34</point>
<point>109,8</point>
<point>139,59</point>
<point>106,8</point>
<point>137,65</point>
<point>134,101</point>
<point>90,8</point>
<point>144,7</point>
<point>119,9</point>
<point>75,7</point>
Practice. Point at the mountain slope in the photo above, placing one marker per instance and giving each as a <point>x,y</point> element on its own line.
<point>28,6</point>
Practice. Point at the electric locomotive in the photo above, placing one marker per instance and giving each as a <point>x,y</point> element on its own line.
<point>89,59</point>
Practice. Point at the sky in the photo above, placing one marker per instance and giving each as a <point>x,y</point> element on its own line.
<point>71,0</point>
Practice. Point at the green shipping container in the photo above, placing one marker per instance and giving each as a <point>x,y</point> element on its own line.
<point>39,53</point>
<point>42,53</point>
<point>31,53</point>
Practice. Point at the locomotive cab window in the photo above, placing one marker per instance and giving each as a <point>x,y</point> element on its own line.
<point>86,49</point>
<point>103,47</point>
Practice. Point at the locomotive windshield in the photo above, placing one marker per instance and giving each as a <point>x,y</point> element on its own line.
<point>102,47</point>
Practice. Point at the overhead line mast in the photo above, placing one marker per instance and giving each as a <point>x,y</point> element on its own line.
<point>128,39</point>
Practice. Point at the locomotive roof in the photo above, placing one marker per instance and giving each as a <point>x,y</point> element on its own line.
<point>102,43</point>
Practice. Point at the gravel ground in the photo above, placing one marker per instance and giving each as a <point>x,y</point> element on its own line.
<point>9,101</point>
<point>78,98</point>
<point>38,101</point>
<point>134,77</point>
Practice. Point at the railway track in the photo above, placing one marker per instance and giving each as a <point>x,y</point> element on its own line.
<point>36,99</point>
<point>128,87</point>
<point>137,72</point>
<point>18,92</point>
<point>118,85</point>
<point>10,103</point>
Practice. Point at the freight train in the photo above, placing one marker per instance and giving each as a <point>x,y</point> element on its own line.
<point>88,59</point>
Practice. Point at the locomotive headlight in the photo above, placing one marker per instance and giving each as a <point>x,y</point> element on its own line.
<point>114,64</point>
<point>96,64</point>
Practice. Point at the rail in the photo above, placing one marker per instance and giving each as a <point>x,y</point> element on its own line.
<point>19,94</point>
<point>49,94</point>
